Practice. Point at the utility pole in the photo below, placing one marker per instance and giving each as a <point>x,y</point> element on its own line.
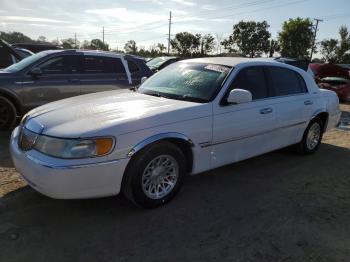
<point>75,40</point>
<point>314,41</point>
<point>103,35</point>
<point>169,36</point>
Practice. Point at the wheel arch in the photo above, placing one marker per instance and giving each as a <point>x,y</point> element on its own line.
<point>180,140</point>
<point>323,115</point>
<point>13,99</point>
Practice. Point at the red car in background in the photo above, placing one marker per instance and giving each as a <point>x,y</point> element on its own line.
<point>333,77</point>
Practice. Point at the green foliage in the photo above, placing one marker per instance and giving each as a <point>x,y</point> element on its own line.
<point>273,47</point>
<point>251,38</point>
<point>69,43</point>
<point>296,38</point>
<point>15,37</point>
<point>130,47</point>
<point>329,50</point>
<point>337,51</point>
<point>185,43</point>
<point>344,45</point>
<point>207,43</point>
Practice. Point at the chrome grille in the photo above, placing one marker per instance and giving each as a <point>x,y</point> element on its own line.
<point>26,139</point>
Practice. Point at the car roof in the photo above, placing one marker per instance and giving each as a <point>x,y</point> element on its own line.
<point>91,52</point>
<point>229,61</point>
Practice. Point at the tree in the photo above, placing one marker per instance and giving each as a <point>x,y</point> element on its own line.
<point>329,50</point>
<point>85,44</point>
<point>185,43</point>
<point>344,44</point>
<point>131,47</point>
<point>273,47</point>
<point>296,38</point>
<point>69,43</point>
<point>97,44</point>
<point>42,39</point>
<point>15,37</point>
<point>161,48</point>
<point>251,38</point>
<point>207,43</point>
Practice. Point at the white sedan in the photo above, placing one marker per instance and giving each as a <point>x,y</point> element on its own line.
<point>191,117</point>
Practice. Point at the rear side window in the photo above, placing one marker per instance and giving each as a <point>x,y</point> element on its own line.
<point>132,67</point>
<point>286,82</point>
<point>252,79</point>
<point>103,65</point>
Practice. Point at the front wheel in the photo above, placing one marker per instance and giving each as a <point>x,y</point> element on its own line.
<point>155,175</point>
<point>312,137</point>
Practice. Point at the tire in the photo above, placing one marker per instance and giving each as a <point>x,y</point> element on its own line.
<point>145,176</point>
<point>8,114</point>
<point>312,137</point>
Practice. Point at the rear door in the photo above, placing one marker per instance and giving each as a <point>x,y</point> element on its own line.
<point>294,107</point>
<point>102,73</point>
<point>58,81</point>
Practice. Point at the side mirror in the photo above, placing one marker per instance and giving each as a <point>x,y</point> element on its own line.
<point>35,72</point>
<point>239,96</point>
<point>143,79</point>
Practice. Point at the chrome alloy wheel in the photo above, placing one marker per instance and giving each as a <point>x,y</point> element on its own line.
<point>313,136</point>
<point>160,176</point>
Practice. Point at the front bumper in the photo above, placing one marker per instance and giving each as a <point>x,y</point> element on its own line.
<point>67,179</point>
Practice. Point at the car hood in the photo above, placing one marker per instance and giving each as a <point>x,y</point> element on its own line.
<point>111,113</point>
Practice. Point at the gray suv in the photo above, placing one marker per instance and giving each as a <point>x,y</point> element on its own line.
<point>57,74</point>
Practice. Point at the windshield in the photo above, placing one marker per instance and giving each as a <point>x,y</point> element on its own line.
<point>156,62</point>
<point>195,82</point>
<point>25,62</point>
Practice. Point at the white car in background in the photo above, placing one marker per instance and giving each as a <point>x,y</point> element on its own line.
<point>193,116</point>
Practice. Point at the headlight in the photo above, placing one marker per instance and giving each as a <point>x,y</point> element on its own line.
<point>74,148</point>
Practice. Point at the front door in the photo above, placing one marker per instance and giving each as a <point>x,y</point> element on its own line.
<point>58,81</point>
<point>244,130</point>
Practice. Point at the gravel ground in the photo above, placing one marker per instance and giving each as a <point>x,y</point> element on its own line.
<point>276,207</point>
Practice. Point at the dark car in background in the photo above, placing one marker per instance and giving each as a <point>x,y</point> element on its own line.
<point>57,74</point>
<point>10,55</point>
<point>158,63</point>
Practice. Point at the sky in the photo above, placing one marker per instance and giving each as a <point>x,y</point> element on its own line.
<point>146,21</point>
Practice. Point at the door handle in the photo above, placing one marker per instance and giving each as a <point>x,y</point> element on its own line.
<point>308,102</point>
<point>266,111</point>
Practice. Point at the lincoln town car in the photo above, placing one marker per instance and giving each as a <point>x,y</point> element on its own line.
<point>192,116</point>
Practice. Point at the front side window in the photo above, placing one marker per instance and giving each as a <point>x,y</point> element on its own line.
<point>103,65</point>
<point>253,80</point>
<point>285,81</point>
<point>196,82</point>
<point>66,64</point>
<point>132,67</point>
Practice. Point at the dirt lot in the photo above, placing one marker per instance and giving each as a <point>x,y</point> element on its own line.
<point>276,207</point>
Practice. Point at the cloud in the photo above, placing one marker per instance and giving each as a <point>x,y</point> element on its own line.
<point>209,7</point>
<point>124,15</point>
<point>184,2</point>
<point>32,19</point>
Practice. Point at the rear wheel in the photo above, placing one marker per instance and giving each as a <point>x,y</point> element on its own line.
<point>8,114</point>
<point>312,137</point>
<point>155,175</point>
